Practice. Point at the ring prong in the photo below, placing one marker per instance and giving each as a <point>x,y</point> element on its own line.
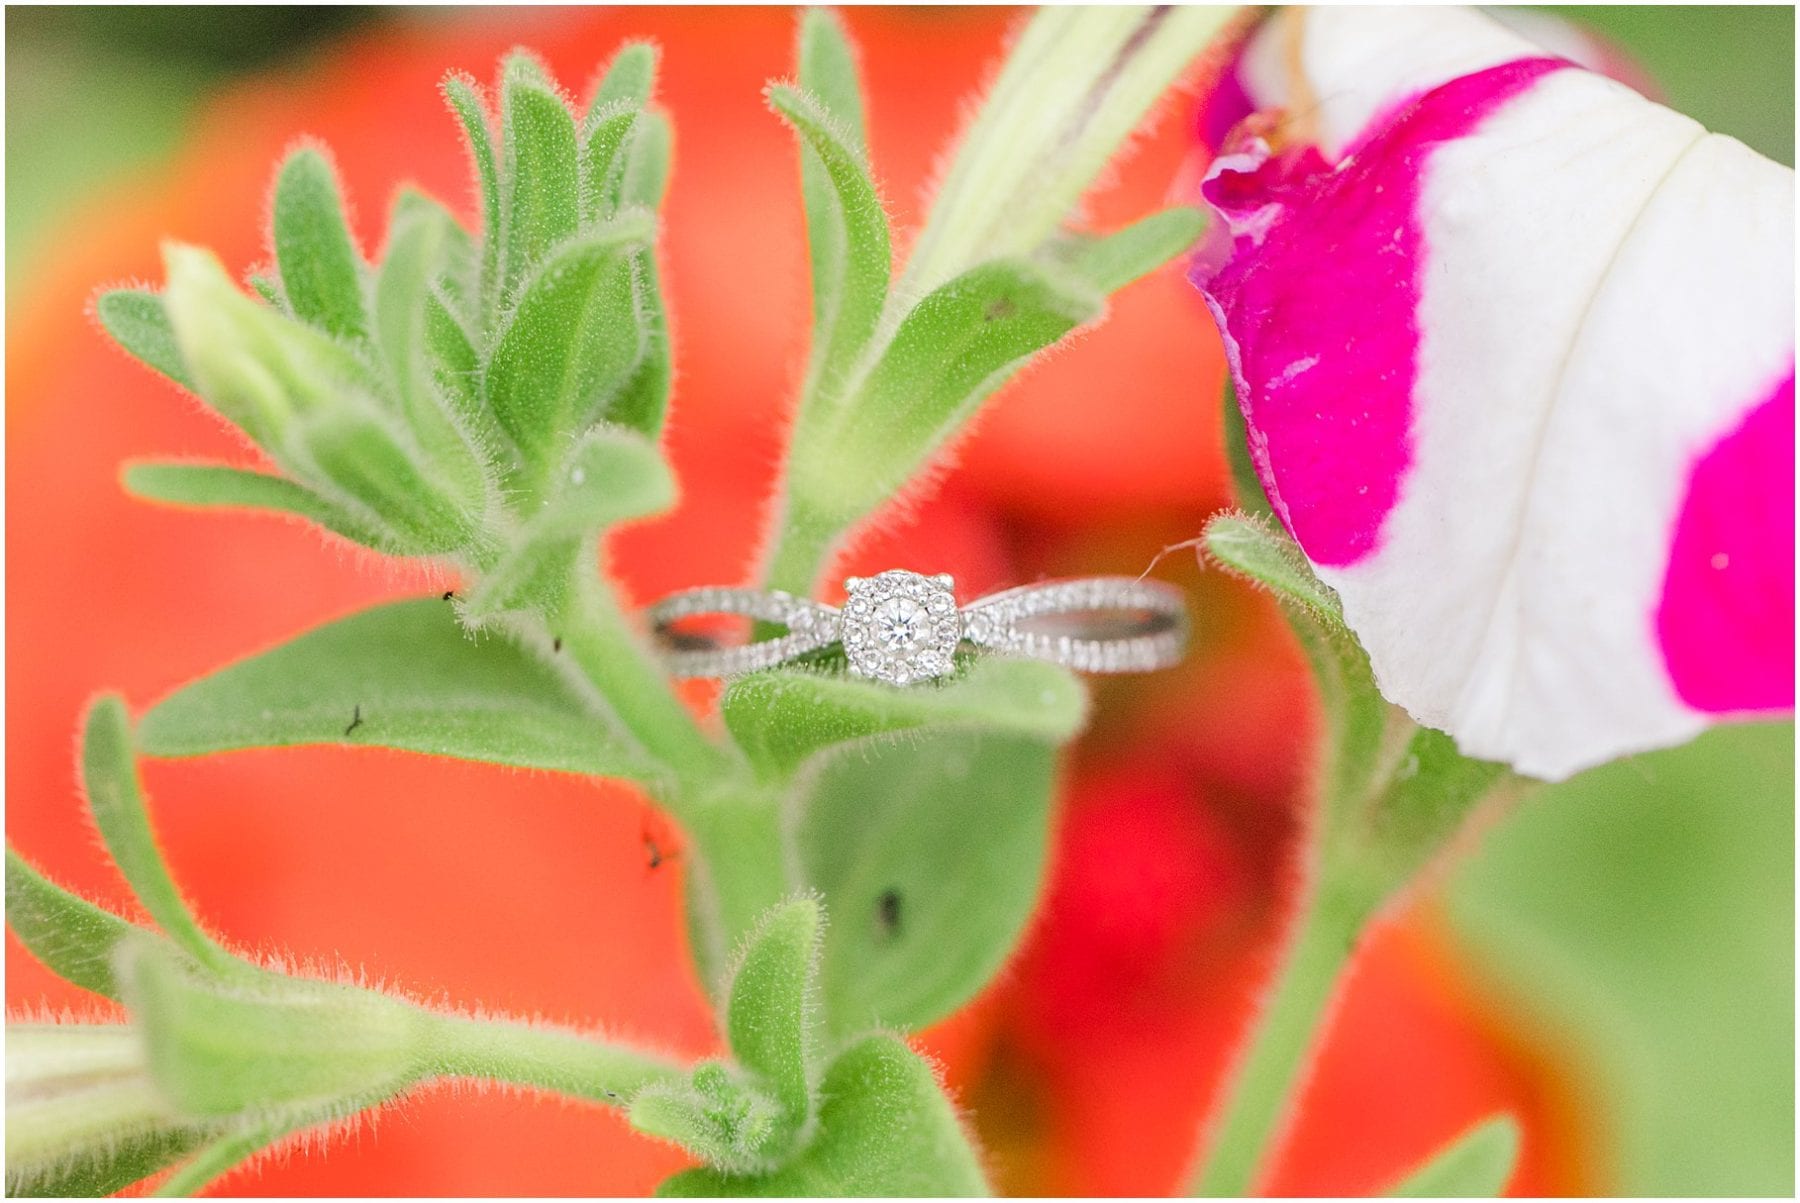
<point>944,579</point>
<point>852,583</point>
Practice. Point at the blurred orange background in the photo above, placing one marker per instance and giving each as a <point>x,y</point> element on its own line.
<point>1088,1067</point>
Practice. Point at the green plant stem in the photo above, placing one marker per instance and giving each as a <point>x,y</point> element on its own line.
<point>738,871</point>
<point>1377,833</point>
<point>599,639</point>
<point>1326,935</point>
<point>545,1058</point>
<point>457,1046</point>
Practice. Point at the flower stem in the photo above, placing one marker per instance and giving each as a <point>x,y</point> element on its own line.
<point>544,1057</point>
<point>740,870</point>
<point>600,641</point>
<point>1329,927</point>
<point>1379,829</point>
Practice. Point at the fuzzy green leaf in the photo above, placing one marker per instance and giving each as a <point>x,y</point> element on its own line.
<point>540,186</point>
<point>930,888</point>
<point>885,1129</point>
<point>571,344</point>
<point>770,1013</point>
<point>403,675</point>
<point>612,476</point>
<point>362,456</point>
<point>648,156</point>
<point>716,1115</point>
<point>223,1049</point>
<point>827,70</point>
<point>847,232</point>
<point>69,934</point>
<point>644,401</point>
<point>457,266</point>
<point>1476,1165</point>
<point>137,321</point>
<point>82,1116</point>
<point>1253,549</point>
<point>456,368</point>
<point>780,718</point>
<point>604,151</point>
<point>955,347</point>
<point>1112,261</point>
<point>423,250</point>
<point>116,799</point>
<point>1246,485</point>
<point>106,1164</point>
<point>417,243</point>
<point>630,77</point>
<point>219,486</point>
<point>464,98</point>
<point>321,273</point>
<point>258,368</point>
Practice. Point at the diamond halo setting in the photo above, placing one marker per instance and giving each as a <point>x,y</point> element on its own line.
<point>900,627</point>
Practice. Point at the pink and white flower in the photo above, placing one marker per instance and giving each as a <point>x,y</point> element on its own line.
<point>1515,348</point>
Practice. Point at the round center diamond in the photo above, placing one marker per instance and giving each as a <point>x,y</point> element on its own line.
<point>901,627</point>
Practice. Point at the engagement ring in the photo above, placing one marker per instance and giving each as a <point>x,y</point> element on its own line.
<point>903,628</point>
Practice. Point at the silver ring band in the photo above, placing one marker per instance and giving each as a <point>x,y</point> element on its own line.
<point>902,627</point>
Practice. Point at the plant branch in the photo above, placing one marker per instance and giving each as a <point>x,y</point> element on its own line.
<point>1366,848</point>
<point>1324,939</point>
<point>600,641</point>
<point>544,1058</point>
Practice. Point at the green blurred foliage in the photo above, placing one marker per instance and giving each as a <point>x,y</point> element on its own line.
<point>1729,67</point>
<point>94,90</point>
<point>1642,918</point>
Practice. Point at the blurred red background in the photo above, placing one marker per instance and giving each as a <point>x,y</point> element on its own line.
<point>1088,1067</point>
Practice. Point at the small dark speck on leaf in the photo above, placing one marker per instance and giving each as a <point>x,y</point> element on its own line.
<point>556,644</point>
<point>449,595</point>
<point>355,721</point>
<point>999,308</point>
<point>887,910</point>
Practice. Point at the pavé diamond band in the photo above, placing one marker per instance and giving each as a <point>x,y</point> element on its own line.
<point>902,627</point>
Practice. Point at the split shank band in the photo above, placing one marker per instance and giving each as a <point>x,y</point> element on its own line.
<point>903,627</point>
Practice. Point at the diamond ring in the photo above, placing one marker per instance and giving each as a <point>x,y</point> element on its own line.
<point>902,627</point>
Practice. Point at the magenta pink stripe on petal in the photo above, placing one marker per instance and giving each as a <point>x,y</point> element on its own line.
<point>1726,620</point>
<point>1318,297</point>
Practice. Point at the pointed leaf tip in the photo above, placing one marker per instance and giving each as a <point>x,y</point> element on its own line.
<point>321,271</point>
<point>116,800</point>
<point>69,934</point>
<point>137,321</point>
<point>770,1012</point>
<point>630,77</point>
